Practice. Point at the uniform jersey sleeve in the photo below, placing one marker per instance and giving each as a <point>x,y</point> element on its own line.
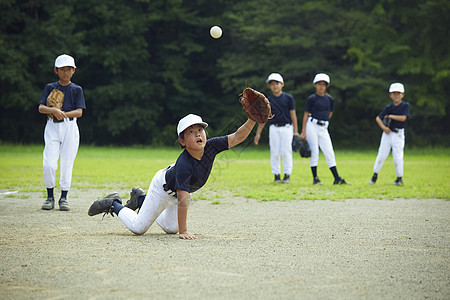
<point>219,144</point>
<point>291,104</point>
<point>331,103</point>
<point>406,110</point>
<point>309,103</point>
<point>79,101</point>
<point>48,88</point>
<point>384,112</point>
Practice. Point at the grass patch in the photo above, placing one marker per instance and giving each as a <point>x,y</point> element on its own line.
<point>243,172</point>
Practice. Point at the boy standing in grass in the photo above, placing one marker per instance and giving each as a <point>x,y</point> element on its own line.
<point>318,111</point>
<point>61,133</point>
<point>395,116</point>
<point>283,126</point>
<point>169,193</point>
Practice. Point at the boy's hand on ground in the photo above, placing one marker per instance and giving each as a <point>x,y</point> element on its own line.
<point>187,236</point>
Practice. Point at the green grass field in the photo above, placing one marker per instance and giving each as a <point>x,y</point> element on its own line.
<point>238,172</point>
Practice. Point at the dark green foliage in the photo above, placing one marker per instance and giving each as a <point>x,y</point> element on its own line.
<point>145,64</point>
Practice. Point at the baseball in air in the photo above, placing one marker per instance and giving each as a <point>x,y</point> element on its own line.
<point>216,32</point>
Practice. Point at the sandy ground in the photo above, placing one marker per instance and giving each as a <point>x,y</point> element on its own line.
<point>354,249</point>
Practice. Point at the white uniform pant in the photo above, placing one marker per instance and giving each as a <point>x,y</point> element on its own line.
<point>158,205</point>
<point>396,142</point>
<point>280,142</point>
<point>61,141</point>
<point>318,136</point>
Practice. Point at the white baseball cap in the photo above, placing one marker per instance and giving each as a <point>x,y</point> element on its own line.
<point>64,60</point>
<point>276,77</point>
<point>189,120</point>
<point>397,87</point>
<point>322,77</point>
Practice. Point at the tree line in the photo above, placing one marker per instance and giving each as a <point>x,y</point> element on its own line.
<point>144,64</point>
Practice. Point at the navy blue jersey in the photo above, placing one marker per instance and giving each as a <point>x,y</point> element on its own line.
<point>189,174</point>
<point>281,107</point>
<point>320,106</point>
<point>73,96</point>
<point>400,110</point>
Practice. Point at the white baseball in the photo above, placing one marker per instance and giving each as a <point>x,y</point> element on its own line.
<point>216,32</point>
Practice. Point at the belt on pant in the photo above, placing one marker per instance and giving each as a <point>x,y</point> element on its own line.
<point>396,130</point>
<point>319,122</point>
<point>168,190</point>
<point>280,124</point>
<point>59,121</point>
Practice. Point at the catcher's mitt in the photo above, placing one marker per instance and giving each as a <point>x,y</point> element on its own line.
<point>256,106</point>
<point>296,141</point>
<point>304,149</point>
<point>386,121</point>
<point>55,99</point>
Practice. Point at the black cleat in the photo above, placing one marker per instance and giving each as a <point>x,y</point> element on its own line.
<point>63,204</point>
<point>277,178</point>
<point>49,204</point>
<point>286,178</point>
<point>340,180</point>
<point>104,205</point>
<point>135,193</point>
<point>398,181</point>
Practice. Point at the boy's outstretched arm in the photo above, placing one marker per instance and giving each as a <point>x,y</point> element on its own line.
<point>183,203</point>
<point>241,134</point>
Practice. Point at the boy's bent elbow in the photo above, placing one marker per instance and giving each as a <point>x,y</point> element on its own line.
<point>79,113</point>
<point>40,108</point>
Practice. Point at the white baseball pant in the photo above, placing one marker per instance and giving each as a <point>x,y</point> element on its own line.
<point>396,142</point>
<point>61,141</point>
<point>318,136</point>
<point>158,205</point>
<point>280,142</point>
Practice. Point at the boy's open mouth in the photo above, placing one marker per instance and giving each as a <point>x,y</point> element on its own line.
<point>199,141</point>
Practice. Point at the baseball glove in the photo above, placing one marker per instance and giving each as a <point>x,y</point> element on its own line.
<point>304,149</point>
<point>386,121</point>
<point>55,99</point>
<point>296,141</point>
<point>256,106</point>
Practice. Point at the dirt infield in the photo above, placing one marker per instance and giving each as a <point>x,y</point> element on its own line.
<point>372,249</point>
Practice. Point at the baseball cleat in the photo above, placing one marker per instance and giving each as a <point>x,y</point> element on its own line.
<point>104,205</point>
<point>135,193</point>
<point>277,178</point>
<point>317,181</point>
<point>398,181</point>
<point>63,204</point>
<point>48,204</point>
<point>286,179</point>
<point>340,180</point>
<point>373,179</point>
